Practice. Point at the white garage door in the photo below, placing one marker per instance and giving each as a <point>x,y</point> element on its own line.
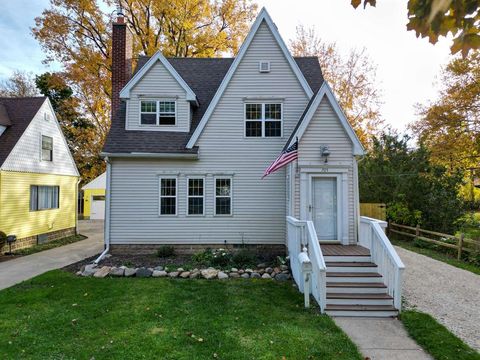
<point>97,210</point>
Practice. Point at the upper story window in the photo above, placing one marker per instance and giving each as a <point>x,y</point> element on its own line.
<point>263,120</point>
<point>47,148</point>
<point>157,112</point>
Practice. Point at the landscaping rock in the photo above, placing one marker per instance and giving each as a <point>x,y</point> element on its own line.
<point>173,274</point>
<point>272,274</point>
<point>114,271</point>
<point>89,270</point>
<point>221,275</point>
<point>248,271</point>
<point>194,274</point>
<point>158,268</point>
<point>143,272</point>
<point>277,269</point>
<point>234,275</point>
<point>241,271</point>
<point>255,275</point>
<point>209,273</point>
<point>269,270</point>
<point>79,272</point>
<point>185,274</point>
<point>159,273</point>
<point>245,276</point>
<point>261,266</point>
<point>102,272</point>
<point>266,276</point>
<point>283,267</point>
<point>260,271</point>
<point>129,272</point>
<point>285,272</point>
<point>282,277</point>
<point>234,270</point>
<point>180,270</point>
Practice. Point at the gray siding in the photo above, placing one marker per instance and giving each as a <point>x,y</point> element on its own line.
<point>158,84</point>
<point>325,129</point>
<point>259,206</point>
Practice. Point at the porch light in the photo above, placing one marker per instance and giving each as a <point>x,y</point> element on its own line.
<point>10,240</point>
<point>325,152</point>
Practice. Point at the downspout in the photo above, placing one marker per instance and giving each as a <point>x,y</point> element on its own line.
<point>107,213</point>
<point>76,206</point>
<point>357,194</point>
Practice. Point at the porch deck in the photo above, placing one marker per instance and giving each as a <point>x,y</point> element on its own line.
<point>344,250</point>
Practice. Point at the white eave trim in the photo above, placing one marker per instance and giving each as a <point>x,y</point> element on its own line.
<point>187,156</point>
<point>325,90</point>
<point>158,56</point>
<point>262,16</point>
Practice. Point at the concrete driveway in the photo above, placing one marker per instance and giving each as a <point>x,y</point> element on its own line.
<point>26,267</point>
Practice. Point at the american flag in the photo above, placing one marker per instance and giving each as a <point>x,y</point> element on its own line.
<point>287,156</point>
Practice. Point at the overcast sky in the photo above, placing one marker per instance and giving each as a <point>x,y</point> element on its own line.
<point>407,67</point>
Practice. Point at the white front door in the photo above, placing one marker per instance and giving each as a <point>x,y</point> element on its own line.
<point>324,208</point>
<point>97,210</point>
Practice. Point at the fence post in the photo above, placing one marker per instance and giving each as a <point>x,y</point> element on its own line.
<point>417,230</point>
<point>388,228</point>
<point>460,246</point>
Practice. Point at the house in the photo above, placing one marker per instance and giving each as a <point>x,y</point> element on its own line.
<point>191,138</point>
<point>94,198</point>
<point>38,177</point>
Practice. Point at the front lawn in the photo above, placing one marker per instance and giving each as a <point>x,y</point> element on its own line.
<point>61,316</point>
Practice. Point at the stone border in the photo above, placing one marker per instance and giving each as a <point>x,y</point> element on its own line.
<point>280,273</point>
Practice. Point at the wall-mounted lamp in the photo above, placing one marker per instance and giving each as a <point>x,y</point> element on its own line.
<point>325,152</point>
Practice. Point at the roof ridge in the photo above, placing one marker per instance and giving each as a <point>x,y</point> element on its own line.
<point>21,97</point>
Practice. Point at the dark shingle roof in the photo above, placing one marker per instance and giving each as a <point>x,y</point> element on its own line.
<point>20,113</point>
<point>204,76</point>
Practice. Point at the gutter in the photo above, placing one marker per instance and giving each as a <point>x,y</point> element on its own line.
<point>186,156</point>
<point>107,213</point>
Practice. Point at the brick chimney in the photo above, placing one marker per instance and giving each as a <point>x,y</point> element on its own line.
<point>121,58</point>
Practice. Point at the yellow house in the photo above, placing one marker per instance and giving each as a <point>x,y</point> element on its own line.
<point>38,176</point>
<point>94,198</point>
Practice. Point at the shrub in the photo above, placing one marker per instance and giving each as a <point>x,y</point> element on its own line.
<point>244,257</point>
<point>204,257</point>
<point>216,257</point>
<point>166,251</point>
<point>3,239</point>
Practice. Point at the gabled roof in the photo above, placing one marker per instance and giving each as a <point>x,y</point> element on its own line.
<point>324,91</point>
<point>21,112</point>
<point>263,16</point>
<point>204,76</point>
<point>158,56</point>
<point>100,182</point>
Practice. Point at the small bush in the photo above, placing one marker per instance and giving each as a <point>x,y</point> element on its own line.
<point>244,257</point>
<point>215,257</point>
<point>166,251</point>
<point>3,239</point>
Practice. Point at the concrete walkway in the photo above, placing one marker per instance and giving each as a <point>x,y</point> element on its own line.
<point>26,267</point>
<point>381,338</point>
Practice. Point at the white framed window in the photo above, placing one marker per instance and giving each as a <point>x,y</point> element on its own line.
<point>43,197</point>
<point>168,196</point>
<point>264,119</point>
<point>223,196</point>
<point>158,112</point>
<point>195,196</point>
<point>47,148</point>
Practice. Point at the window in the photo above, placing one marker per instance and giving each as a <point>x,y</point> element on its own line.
<point>159,113</point>
<point>195,196</point>
<point>223,196</point>
<point>43,197</point>
<point>47,148</point>
<point>263,120</point>
<point>168,196</point>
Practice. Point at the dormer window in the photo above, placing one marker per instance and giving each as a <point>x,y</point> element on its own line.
<point>157,112</point>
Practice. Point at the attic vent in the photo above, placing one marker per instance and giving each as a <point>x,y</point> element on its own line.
<point>264,66</point>
<point>46,116</point>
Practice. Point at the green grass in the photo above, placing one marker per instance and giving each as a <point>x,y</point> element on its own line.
<point>50,245</point>
<point>446,258</point>
<point>435,338</point>
<point>60,316</point>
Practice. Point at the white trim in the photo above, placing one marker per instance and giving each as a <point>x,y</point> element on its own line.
<point>151,155</point>
<point>325,90</point>
<point>215,177</point>
<point>100,182</point>
<point>262,16</point>
<point>195,196</point>
<point>262,119</point>
<point>167,196</point>
<point>158,56</point>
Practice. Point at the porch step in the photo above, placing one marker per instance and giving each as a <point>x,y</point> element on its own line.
<point>335,266</point>
<point>353,277</point>
<point>358,299</point>
<point>361,310</point>
<point>347,258</point>
<point>357,288</point>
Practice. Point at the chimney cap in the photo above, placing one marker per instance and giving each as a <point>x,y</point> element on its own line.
<point>120,15</point>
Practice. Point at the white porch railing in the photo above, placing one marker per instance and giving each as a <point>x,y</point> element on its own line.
<point>306,260</point>
<point>372,236</point>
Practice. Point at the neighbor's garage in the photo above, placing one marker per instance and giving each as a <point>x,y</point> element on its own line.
<point>94,198</point>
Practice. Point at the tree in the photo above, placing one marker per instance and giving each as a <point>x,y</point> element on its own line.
<point>435,18</point>
<point>19,84</point>
<point>78,130</point>
<point>77,33</point>
<point>415,190</point>
<point>352,78</point>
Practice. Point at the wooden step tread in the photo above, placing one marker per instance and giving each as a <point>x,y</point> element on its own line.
<point>349,264</point>
<point>358,296</point>
<point>353,274</point>
<point>356,285</point>
<point>333,307</point>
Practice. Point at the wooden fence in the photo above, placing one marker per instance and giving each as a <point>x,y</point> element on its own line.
<point>459,243</point>
<point>374,210</point>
